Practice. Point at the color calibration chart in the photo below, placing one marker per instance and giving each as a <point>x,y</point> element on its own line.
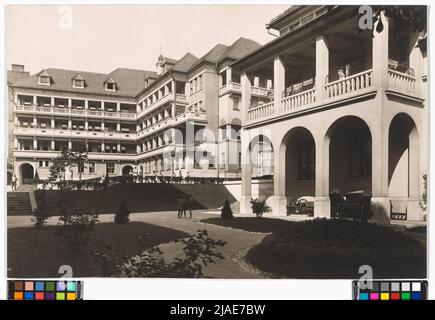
<point>390,290</point>
<point>45,290</point>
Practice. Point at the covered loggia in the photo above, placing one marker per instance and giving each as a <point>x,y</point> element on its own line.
<point>261,160</point>
<point>350,155</point>
<point>403,165</point>
<point>298,148</point>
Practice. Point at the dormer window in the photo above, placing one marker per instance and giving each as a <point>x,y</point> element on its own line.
<point>44,78</point>
<point>110,85</point>
<point>79,84</point>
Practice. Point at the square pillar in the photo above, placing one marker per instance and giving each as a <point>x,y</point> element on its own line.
<point>380,200</point>
<point>52,123</point>
<point>53,145</point>
<point>322,67</point>
<point>118,107</point>
<point>69,124</point>
<point>416,62</point>
<point>35,144</point>
<point>35,100</point>
<point>69,145</point>
<point>246,95</point>
<point>278,202</point>
<point>380,54</point>
<point>256,82</point>
<point>322,203</point>
<point>278,82</point>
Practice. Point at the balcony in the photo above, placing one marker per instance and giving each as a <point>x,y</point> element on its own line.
<point>230,87</point>
<point>69,133</point>
<point>72,111</point>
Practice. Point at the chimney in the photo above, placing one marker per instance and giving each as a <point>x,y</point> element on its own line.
<point>18,67</point>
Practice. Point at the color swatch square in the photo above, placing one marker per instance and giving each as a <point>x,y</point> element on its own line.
<point>39,295</point>
<point>71,286</point>
<point>39,286</point>
<point>406,286</point>
<point>395,296</point>
<point>374,296</point>
<point>385,296</point>
<point>18,295</point>
<point>395,286</point>
<point>363,296</point>
<point>19,286</point>
<point>416,296</point>
<point>60,296</point>
<point>49,296</point>
<point>70,296</point>
<point>28,286</point>
<point>28,295</point>
<point>416,286</point>
<point>406,296</point>
<point>49,286</point>
<point>61,286</point>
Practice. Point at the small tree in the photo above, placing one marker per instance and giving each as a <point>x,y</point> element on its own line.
<point>259,207</point>
<point>226,212</point>
<point>122,214</point>
<point>76,230</point>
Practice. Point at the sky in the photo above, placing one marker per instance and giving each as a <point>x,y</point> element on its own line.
<point>101,38</point>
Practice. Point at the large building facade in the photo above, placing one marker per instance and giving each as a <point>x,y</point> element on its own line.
<point>155,123</point>
<point>348,111</point>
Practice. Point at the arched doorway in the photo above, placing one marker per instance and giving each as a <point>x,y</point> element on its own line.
<point>403,168</point>
<point>350,156</point>
<point>261,160</point>
<point>27,172</point>
<point>298,151</point>
<point>127,170</point>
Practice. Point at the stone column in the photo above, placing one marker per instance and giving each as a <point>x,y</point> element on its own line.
<point>35,144</point>
<point>380,200</point>
<point>278,82</point>
<point>416,62</point>
<point>69,144</point>
<point>322,67</point>
<point>380,55</point>
<point>322,204</point>
<point>53,145</point>
<point>52,123</point>
<point>35,100</point>
<point>415,177</point>
<point>279,199</point>
<point>246,96</point>
<point>256,82</point>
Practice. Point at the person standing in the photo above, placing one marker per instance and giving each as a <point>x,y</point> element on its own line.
<point>188,206</point>
<point>181,206</point>
<point>14,182</point>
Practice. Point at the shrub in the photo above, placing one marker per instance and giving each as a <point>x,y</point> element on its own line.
<point>259,207</point>
<point>226,212</point>
<point>76,229</point>
<point>122,215</point>
<point>199,251</point>
<point>40,216</point>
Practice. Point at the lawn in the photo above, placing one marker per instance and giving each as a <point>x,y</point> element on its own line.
<point>251,224</point>
<point>38,253</point>
<point>335,249</point>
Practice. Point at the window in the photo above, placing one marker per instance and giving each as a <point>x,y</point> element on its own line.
<point>240,160</point>
<point>199,82</point>
<point>91,167</point>
<point>78,83</point>
<point>306,160</point>
<point>45,80</point>
<point>110,86</point>
<point>110,167</point>
<point>359,158</point>
<point>43,163</point>
<point>236,103</point>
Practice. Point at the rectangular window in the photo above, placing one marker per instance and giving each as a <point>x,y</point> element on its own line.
<point>110,167</point>
<point>199,82</point>
<point>44,80</point>
<point>79,83</point>
<point>306,160</point>
<point>236,103</point>
<point>91,167</point>
<point>110,86</point>
<point>43,163</point>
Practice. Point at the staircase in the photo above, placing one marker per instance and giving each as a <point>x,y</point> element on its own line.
<point>18,203</point>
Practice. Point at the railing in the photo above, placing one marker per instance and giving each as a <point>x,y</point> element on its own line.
<point>401,81</point>
<point>85,112</point>
<point>230,86</point>
<point>179,96</point>
<point>298,100</point>
<point>350,84</point>
<point>261,91</point>
<point>262,111</point>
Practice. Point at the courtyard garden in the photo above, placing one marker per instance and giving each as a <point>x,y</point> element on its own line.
<point>335,249</point>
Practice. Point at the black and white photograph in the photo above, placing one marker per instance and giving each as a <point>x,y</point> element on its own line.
<point>223,141</point>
